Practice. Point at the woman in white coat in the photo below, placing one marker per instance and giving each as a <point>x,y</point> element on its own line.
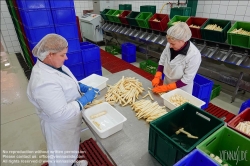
<point>57,96</point>
<point>179,61</point>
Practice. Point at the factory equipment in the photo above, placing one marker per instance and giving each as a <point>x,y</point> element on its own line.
<point>220,61</point>
<point>91,27</point>
<point>101,5</point>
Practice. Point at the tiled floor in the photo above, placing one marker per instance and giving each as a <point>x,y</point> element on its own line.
<point>20,126</point>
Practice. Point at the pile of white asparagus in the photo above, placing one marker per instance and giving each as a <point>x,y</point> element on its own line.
<point>213,27</point>
<point>147,110</point>
<point>178,100</point>
<point>244,127</point>
<point>125,91</point>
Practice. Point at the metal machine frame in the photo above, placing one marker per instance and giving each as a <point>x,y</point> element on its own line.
<point>220,61</point>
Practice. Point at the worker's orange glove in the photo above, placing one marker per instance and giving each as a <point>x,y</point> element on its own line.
<point>164,88</point>
<point>156,80</point>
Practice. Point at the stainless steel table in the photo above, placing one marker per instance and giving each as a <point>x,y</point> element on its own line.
<point>130,145</point>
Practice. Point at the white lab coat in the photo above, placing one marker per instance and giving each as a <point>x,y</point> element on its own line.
<point>54,93</point>
<point>183,67</point>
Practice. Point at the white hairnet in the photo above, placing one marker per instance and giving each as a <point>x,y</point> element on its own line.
<point>51,43</point>
<point>180,31</point>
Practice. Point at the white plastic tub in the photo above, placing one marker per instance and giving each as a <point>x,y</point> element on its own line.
<point>95,81</point>
<point>192,100</point>
<point>110,123</point>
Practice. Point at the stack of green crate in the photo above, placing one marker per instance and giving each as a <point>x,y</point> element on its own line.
<point>142,19</point>
<point>148,8</point>
<point>149,66</point>
<point>176,19</point>
<point>103,14</point>
<point>116,15</point>
<point>241,40</point>
<point>109,15</point>
<point>180,11</point>
<point>125,7</point>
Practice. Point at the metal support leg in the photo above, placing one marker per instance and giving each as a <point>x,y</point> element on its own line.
<point>99,142</point>
<point>237,87</point>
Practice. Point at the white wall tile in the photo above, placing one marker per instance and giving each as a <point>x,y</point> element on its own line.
<point>216,2</point>
<point>229,17</point>
<point>15,43</point>
<point>241,10</point>
<point>247,18</point>
<point>231,9</point>
<point>5,33</point>
<point>213,16</point>
<point>208,2</point>
<point>214,9</point>
<point>207,8</point>
<point>224,2</point>
<point>198,14</point>
<point>248,11</point>
<point>206,15</point>
<point>243,3</point>
<point>223,10</point>
<point>236,18</point>
<point>233,3</point>
<point>11,32</point>
<point>8,44</point>
<point>13,37</point>
<point>221,16</point>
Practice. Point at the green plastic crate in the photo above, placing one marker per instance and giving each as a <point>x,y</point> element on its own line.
<point>177,18</point>
<point>142,19</point>
<point>148,8</point>
<point>216,36</point>
<point>180,11</point>
<point>115,17</point>
<point>109,15</point>
<point>238,39</point>
<point>227,140</point>
<point>168,147</point>
<point>215,91</point>
<point>103,14</point>
<point>131,18</point>
<point>115,50</point>
<point>149,66</point>
<point>125,7</point>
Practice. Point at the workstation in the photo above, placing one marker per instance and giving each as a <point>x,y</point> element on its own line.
<point>116,42</point>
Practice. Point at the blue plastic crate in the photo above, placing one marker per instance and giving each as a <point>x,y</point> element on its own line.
<point>67,31</point>
<point>202,89</point>
<point>92,67</point>
<point>77,69</point>
<point>128,49</point>
<point>90,53</point>
<point>33,4</point>
<point>79,78</point>
<point>36,18</point>
<point>73,45</point>
<point>196,157</point>
<point>128,58</point>
<point>85,43</point>
<point>32,45</point>
<point>61,3</point>
<point>36,34</point>
<point>64,16</point>
<point>73,58</point>
<point>244,105</point>
<point>99,72</point>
